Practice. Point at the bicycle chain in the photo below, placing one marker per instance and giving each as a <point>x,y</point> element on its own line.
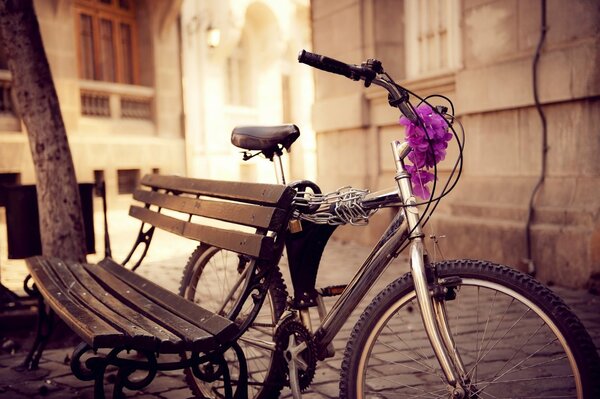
<point>309,355</point>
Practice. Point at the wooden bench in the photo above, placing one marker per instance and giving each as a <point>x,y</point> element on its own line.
<point>112,308</point>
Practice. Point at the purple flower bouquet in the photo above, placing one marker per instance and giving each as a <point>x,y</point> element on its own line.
<point>428,147</point>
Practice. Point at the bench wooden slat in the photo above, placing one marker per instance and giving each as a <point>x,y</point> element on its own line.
<point>164,340</point>
<point>222,328</point>
<point>195,338</point>
<point>92,329</point>
<point>167,223</point>
<point>257,246</point>
<point>66,275</point>
<point>256,193</point>
<point>254,245</point>
<point>245,214</point>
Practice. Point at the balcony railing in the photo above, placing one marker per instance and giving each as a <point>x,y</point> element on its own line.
<point>95,104</point>
<point>136,108</point>
<point>116,101</point>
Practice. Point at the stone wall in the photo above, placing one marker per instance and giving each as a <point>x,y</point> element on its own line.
<point>493,94</point>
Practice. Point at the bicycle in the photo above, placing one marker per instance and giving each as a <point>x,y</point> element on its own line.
<point>454,329</point>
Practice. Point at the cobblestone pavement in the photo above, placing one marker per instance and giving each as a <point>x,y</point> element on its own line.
<point>165,262</point>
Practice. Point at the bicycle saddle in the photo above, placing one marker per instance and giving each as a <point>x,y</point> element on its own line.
<point>263,138</point>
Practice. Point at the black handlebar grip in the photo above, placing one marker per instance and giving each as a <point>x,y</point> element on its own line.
<point>325,63</point>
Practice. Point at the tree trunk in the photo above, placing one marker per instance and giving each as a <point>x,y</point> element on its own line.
<point>61,220</point>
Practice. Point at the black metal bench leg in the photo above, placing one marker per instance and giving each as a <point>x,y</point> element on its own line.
<point>127,368</point>
<point>242,387</point>
<point>99,381</point>
<point>93,368</point>
<point>214,367</point>
<point>241,390</point>
<point>144,238</point>
<point>227,385</point>
<point>45,326</point>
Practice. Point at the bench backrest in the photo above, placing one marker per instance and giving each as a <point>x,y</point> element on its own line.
<point>246,218</point>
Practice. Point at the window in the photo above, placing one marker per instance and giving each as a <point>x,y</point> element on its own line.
<point>7,108</point>
<point>98,176</point>
<point>99,183</point>
<point>432,36</point>
<point>127,180</point>
<point>3,57</point>
<point>8,179</point>
<point>106,31</point>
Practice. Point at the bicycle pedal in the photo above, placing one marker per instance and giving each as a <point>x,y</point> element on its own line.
<point>332,290</point>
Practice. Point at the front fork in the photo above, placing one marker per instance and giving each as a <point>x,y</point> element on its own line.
<point>435,321</point>
<point>433,312</point>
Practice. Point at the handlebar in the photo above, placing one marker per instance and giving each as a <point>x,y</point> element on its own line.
<point>327,64</point>
<point>370,71</point>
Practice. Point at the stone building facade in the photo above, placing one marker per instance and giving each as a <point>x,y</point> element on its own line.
<point>249,76</point>
<point>480,54</point>
<point>117,70</point>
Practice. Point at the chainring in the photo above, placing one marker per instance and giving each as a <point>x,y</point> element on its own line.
<point>283,332</point>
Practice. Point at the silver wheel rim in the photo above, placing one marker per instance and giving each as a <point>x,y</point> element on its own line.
<point>466,282</point>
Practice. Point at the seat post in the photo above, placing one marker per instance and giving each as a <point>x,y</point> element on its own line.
<point>279,168</point>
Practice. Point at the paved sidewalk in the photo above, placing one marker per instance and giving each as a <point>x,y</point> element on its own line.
<point>54,378</point>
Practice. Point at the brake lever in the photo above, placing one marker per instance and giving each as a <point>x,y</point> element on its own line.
<point>375,67</point>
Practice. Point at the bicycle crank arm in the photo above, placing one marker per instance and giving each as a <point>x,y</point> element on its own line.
<point>295,362</point>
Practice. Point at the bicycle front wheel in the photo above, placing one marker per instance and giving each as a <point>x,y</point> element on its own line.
<point>516,339</point>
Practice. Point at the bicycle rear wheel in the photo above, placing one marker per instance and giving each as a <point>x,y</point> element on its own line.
<point>213,278</point>
<point>516,338</point>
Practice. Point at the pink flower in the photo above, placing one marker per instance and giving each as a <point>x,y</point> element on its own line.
<point>426,151</point>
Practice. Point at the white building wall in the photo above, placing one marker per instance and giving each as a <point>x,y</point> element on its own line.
<point>273,31</point>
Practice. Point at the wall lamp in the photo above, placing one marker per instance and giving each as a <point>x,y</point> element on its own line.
<point>213,36</point>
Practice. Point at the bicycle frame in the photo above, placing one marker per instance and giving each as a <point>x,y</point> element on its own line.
<point>405,226</point>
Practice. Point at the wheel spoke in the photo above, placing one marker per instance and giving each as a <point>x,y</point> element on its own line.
<point>426,368</point>
<point>529,379</point>
<point>515,352</point>
<point>258,343</point>
<point>509,371</point>
<point>438,393</point>
<point>487,321</point>
<point>486,350</point>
